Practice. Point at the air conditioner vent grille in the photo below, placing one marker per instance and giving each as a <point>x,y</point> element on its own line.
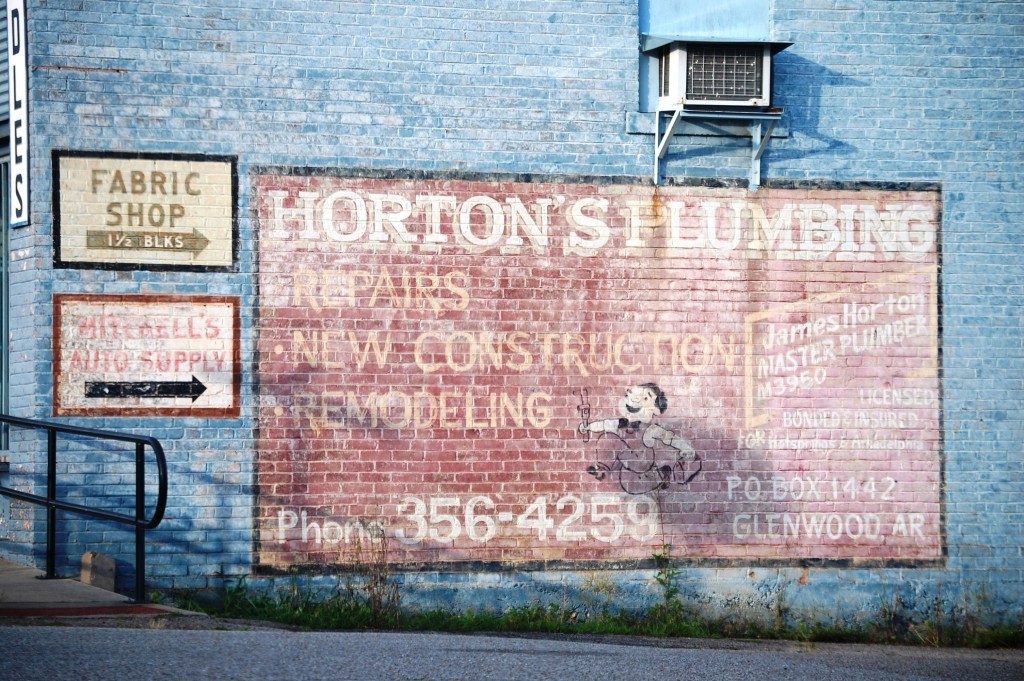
<point>724,72</point>
<point>664,75</point>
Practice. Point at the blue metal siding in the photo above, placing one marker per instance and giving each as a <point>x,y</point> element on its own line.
<point>748,20</point>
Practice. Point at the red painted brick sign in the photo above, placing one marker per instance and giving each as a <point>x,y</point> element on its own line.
<point>514,371</point>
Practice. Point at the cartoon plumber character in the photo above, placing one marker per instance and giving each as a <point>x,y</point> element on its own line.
<point>647,457</point>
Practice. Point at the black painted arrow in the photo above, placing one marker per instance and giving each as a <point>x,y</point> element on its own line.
<point>147,389</point>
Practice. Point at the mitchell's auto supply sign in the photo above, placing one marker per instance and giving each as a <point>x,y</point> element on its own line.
<point>146,355</point>
<point>17,79</point>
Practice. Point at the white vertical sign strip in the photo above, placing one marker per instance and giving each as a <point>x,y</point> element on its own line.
<point>17,70</point>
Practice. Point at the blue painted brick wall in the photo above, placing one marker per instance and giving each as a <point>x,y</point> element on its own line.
<point>874,91</point>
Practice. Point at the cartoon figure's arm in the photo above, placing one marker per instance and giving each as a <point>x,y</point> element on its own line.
<point>656,433</point>
<point>604,426</point>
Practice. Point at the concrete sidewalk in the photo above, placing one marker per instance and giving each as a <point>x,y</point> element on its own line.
<point>23,593</point>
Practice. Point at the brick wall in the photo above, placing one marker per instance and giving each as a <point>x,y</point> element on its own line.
<point>504,371</point>
<point>880,98</point>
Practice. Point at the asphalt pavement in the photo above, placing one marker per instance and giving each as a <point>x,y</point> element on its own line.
<point>44,653</point>
<point>61,630</point>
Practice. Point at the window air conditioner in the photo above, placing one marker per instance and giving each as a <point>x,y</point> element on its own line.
<point>714,75</point>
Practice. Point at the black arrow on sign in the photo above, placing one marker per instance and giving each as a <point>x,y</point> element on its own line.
<point>149,389</point>
<point>193,243</point>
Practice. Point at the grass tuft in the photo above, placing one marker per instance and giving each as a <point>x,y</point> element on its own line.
<point>366,597</point>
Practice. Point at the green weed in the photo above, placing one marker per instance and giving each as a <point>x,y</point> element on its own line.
<point>366,596</point>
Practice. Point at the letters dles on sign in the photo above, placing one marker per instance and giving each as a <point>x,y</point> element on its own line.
<point>155,211</point>
<point>525,371</point>
<point>146,355</point>
<point>17,79</point>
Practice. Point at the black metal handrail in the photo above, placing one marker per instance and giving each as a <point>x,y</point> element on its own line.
<point>139,521</point>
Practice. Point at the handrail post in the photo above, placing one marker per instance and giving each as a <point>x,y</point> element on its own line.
<point>140,518</point>
<point>51,510</point>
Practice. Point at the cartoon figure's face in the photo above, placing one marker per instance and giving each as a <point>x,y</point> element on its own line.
<point>640,404</point>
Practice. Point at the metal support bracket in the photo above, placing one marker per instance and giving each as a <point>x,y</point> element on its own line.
<point>760,125</point>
